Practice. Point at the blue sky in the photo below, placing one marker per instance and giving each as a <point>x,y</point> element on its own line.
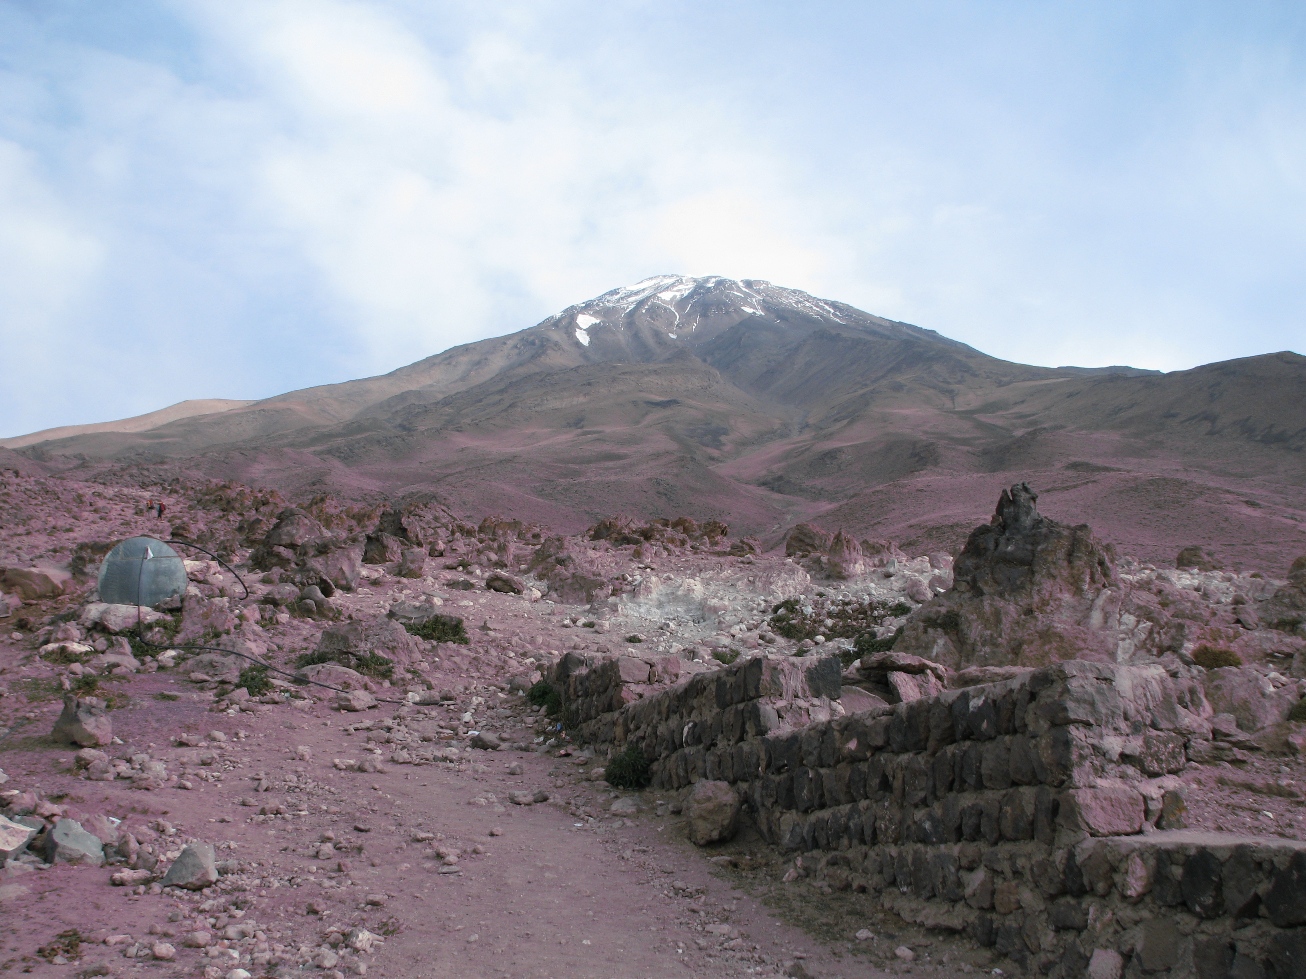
<point>242,197</point>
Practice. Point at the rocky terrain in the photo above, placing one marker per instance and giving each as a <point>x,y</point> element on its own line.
<point>379,738</point>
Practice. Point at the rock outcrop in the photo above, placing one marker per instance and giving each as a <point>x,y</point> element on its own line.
<point>298,543</point>
<point>1026,590</point>
<point>839,556</point>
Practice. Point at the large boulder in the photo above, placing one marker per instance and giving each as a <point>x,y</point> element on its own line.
<point>573,575</point>
<point>340,564</point>
<point>216,666</point>
<point>117,618</point>
<point>845,558</point>
<point>806,539</point>
<point>1250,697</point>
<point>351,643</point>
<point>711,812</point>
<point>1027,590</point>
<point>898,678</point>
<point>83,722</point>
<point>35,584</point>
<point>412,562</point>
<point>68,842</point>
<point>382,548</point>
<point>298,543</point>
<point>333,676</point>
<point>293,528</point>
<point>204,618</point>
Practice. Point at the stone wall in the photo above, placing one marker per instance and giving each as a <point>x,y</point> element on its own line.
<point>1038,815</point>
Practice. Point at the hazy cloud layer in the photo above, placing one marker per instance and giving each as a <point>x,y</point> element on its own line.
<point>233,199</point>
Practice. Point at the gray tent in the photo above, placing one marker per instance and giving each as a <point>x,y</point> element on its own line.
<point>141,571</point>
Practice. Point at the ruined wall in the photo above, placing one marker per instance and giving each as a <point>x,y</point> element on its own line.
<point>1036,815</point>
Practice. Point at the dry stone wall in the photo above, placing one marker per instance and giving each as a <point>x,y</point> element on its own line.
<point>1038,815</point>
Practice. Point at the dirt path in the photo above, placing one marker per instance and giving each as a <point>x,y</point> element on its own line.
<point>454,880</point>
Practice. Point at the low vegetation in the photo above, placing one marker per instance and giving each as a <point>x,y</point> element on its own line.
<point>628,770</point>
<point>255,679</point>
<point>441,628</point>
<point>1214,657</point>
<point>547,695</point>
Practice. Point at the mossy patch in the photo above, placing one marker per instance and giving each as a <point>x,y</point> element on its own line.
<point>1215,657</point>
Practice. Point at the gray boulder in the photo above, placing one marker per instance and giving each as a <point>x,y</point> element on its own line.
<point>711,812</point>
<point>194,869</point>
<point>68,842</point>
<point>83,722</point>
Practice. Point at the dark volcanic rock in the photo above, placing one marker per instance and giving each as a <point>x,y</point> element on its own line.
<point>1027,590</point>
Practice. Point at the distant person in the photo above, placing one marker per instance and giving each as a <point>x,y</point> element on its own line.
<point>161,509</point>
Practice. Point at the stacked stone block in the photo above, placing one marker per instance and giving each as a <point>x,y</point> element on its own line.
<point>1031,814</point>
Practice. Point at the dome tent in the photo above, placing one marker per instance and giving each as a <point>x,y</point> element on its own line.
<point>141,571</point>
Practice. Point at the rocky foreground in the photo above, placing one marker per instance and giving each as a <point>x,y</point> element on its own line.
<point>384,744</point>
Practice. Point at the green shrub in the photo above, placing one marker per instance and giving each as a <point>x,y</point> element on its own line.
<point>545,694</point>
<point>867,645</point>
<point>634,638</point>
<point>726,656</point>
<point>255,680</point>
<point>1214,657</point>
<point>440,628</point>
<point>628,770</point>
<point>1298,712</point>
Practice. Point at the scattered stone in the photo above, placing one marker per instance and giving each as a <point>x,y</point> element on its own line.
<point>194,869</point>
<point>83,722</point>
<point>711,812</point>
<point>486,740</point>
<point>163,952</point>
<point>355,701</point>
<point>14,838</point>
<point>501,581</point>
<point>1105,963</point>
<point>130,878</point>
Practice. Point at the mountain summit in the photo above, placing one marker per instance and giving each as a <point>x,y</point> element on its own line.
<point>761,406</point>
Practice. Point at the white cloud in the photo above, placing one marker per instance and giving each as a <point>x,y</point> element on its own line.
<point>47,262</point>
<point>425,188</point>
<point>287,192</point>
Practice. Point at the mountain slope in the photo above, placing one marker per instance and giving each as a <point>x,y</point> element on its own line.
<point>759,405</point>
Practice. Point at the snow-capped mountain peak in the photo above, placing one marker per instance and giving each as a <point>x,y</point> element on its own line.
<point>682,308</point>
